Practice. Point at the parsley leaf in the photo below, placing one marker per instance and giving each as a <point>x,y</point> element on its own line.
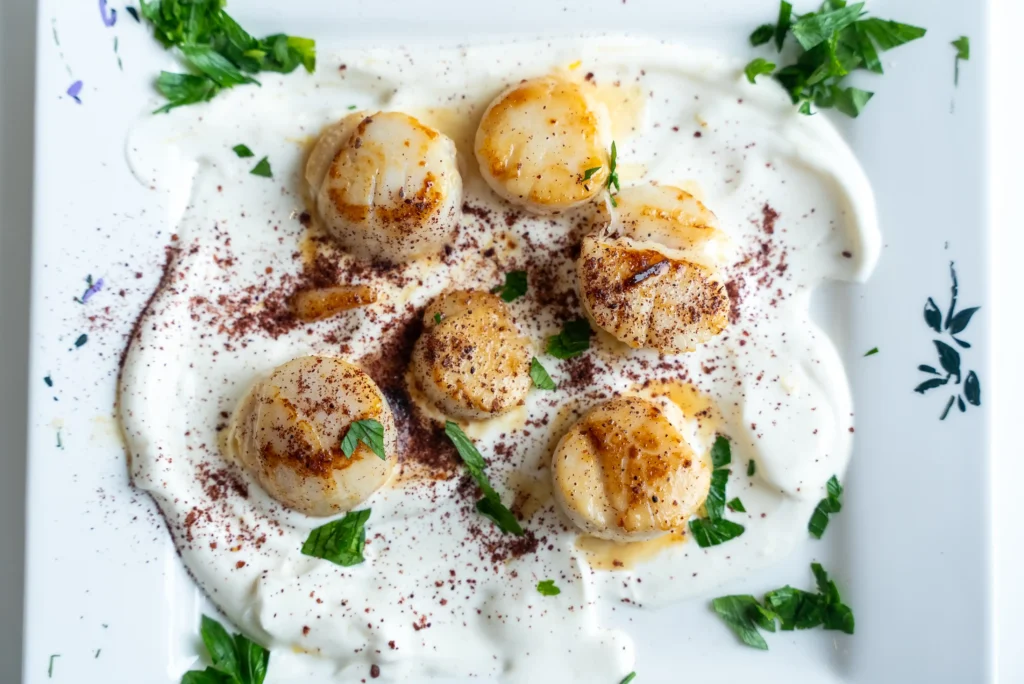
<point>963,52</point>
<point>783,24</point>
<point>872,351</point>
<point>757,68</point>
<point>589,173</point>
<point>437,318</point>
<point>738,613</point>
<point>514,287</point>
<point>736,505</point>
<point>548,588</point>
<point>339,541</point>
<point>628,678</point>
<point>815,28</point>
<point>236,660</point>
<point>709,532</point>
<point>540,377</point>
<point>715,503</point>
<point>832,503</point>
<point>850,101</point>
<point>490,505</point>
<point>751,468</point>
<point>572,341</point>
<point>762,34</point>
<point>242,151</point>
<point>262,168</point>
<point>370,432</point>
<point>184,89</point>
<point>721,452</point>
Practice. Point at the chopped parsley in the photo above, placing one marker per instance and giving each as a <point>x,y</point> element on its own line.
<point>490,505</point>
<point>217,49</point>
<point>832,503</point>
<point>262,168</point>
<point>589,173</point>
<point>613,175</point>
<point>351,108</point>
<point>872,351</point>
<point>242,151</point>
<point>834,41</point>
<point>235,658</point>
<point>963,53</point>
<point>514,287</point>
<point>736,505</point>
<point>370,432</point>
<point>572,341</point>
<point>548,588</point>
<point>628,678</point>
<point>762,34</point>
<point>437,318</point>
<point>751,468</point>
<point>792,608</point>
<point>540,377</point>
<point>758,67</point>
<point>715,529</point>
<point>339,541</point>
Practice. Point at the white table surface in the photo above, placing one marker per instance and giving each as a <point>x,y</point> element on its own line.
<point>17,51</point>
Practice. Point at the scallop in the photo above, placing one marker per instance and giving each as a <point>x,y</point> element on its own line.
<point>538,139</point>
<point>471,361</point>
<point>386,186</point>
<point>288,430</point>
<point>649,276</point>
<point>624,472</point>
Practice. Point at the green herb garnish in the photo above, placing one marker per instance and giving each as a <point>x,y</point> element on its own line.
<point>339,541</point>
<point>370,432</point>
<point>548,588</point>
<point>589,173</point>
<point>262,168</point>
<point>236,659</point>
<point>630,677</point>
<point>830,504</point>
<point>834,41</point>
<point>751,468</point>
<point>736,505</point>
<point>514,287</point>
<point>437,318</point>
<point>490,505</point>
<point>872,351</point>
<point>613,175</point>
<point>242,151</point>
<point>762,34</point>
<point>758,67</point>
<point>572,341</point>
<point>220,52</point>
<point>963,52</point>
<point>715,529</point>
<point>540,377</point>
<point>793,608</point>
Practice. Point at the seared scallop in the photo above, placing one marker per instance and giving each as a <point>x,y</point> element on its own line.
<point>624,472</point>
<point>386,186</point>
<point>538,139</point>
<point>471,360</point>
<point>288,430</point>
<point>647,278</point>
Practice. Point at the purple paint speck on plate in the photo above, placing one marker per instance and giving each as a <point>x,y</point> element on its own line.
<point>74,89</point>
<point>108,19</point>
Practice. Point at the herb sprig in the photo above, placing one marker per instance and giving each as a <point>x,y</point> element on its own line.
<point>792,608</point>
<point>490,505</point>
<point>514,287</point>
<point>236,659</point>
<point>370,432</point>
<point>715,529</point>
<point>834,41</point>
<point>573,340</point>
<point>339,541</point>
<point>217,49</point>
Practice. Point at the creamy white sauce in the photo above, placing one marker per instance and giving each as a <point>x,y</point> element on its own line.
<point>775,377</point>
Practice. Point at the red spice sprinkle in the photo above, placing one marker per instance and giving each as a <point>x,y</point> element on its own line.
<point>374,671</point>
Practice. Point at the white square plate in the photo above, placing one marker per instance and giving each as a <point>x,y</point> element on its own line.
<point>107,593</point>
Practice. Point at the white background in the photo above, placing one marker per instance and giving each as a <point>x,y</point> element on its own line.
<point>17,50</point>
